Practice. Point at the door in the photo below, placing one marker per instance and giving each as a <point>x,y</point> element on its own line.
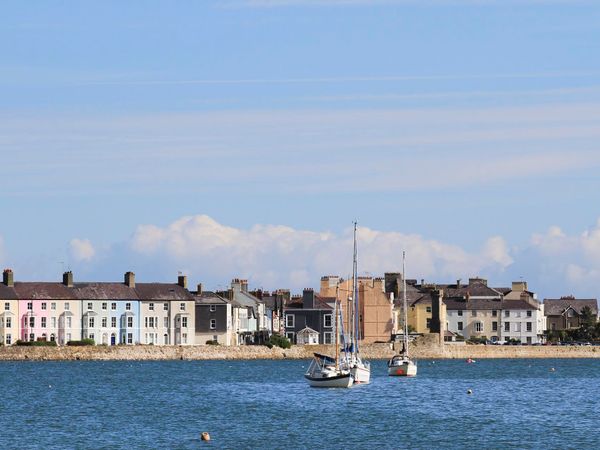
<point>113,339</point>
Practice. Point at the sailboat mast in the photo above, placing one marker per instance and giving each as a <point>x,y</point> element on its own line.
<point>337,344</point>
<point>355,291</point>
<point>404,302</point>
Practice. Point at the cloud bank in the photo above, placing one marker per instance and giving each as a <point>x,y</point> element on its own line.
<point>81,250</point>
<point>279,256</point>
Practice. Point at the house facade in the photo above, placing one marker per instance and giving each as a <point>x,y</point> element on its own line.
<point>566,312</point>
<point>167,313</point>
<point>311,320</point>
<point>214,319</point>
<point>376,307</point>
<point>9,310</point>
<point>251,323</point>
<point>49,311</point>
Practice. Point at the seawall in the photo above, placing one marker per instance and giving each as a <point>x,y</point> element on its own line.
<point>426,347</point>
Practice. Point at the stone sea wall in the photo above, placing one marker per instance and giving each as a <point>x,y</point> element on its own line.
<point>426,347</point>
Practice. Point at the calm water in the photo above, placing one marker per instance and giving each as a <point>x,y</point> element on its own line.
<point>267,404</point>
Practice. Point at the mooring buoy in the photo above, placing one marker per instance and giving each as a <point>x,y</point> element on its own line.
<point>205,436</point>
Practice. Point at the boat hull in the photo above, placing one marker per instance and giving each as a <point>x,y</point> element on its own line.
<point>403,369</point>
<point>338,381</point>
<point>361,374</point>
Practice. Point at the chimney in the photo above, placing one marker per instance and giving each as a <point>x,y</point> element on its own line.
<point>244,285</point>
<point>458,284</point>
<point>379,284</point>
<point>129,279</point>
<point>8,278</point>
<point>182,281</point>
<point>308,298</point>
<point>519,286</point>
<point>199,289</point>
<point>68,279</point>
<point>478,280</point>
<point>236,285</point>
<point>392,282</point>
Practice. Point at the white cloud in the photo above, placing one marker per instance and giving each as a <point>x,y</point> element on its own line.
<point>574,258</point>
<point>81,250</point>
<point>279,256</point>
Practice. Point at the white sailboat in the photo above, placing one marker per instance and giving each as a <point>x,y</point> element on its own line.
<point>361,370</point>
<point>325,371</point>
<point>401,365</point>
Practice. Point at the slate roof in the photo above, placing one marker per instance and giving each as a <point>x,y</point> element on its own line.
<point>7,293</point>
<point>517,304</point>
<point>320,302</point>
<point>162,291</point>
<point>39,290</point>
<point>209,298</point>
<point>556,306</point>
<point>104,291</point>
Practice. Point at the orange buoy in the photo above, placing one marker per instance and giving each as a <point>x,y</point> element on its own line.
<point>205,436</point>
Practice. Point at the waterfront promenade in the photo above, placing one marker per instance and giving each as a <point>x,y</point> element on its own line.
<point>424,350</point>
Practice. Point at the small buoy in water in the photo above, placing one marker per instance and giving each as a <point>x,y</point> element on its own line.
<point>50,386</point>
<point>552,369</point>
<point>205,436</point>
<point>469,391</point>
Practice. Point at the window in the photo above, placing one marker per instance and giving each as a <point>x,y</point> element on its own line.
<point>68,337</point>
<point>68,322</point>
<point>8,322</point>
<point>6,306</point>
<point>507,326</point>
<point>53,306</point>
<point>67,306</point>
<point>30,306</point>
<point>184,322</point>
<point>104,322</point>
<point>91,335</point>
<point>52,337</point>
<point>113,322</point>
<point>90,306</point>
<point>494,313</point>
<point>478,327</point>
<point>494,326</point>
<point>327,318</point>
<point>529,326</point>
<point>32,322</point>
<point>529,313</point>
<point>328,337</point>
<point>130,337</point>
<point>506,313</point>
<point>460,326</point>
<point>104,306</point>
<point>290,321</point>
<point>151,306</point>
<point>166,324</point>
<point>166,306</point>
<point>130,323</point>
<point>113,306</point>
<point>8,339</point>
<point>91,322</point>
<point>44,305</point>
<point>213,324</point>
<point>32,337</point>
<point>182,307</point>
<point>428,324</point>
<point>291,336</point>
<point>213,308</point>
<point>428,309</point>
<point>128,306</point>
<point>53,322</point>
<point>459,312</point>
<point>474,313</point>
<point>184,338</point>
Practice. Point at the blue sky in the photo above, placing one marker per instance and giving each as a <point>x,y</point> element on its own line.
<point>241,138</point>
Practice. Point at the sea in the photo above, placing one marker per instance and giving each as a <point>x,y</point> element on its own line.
<point>489,404</point>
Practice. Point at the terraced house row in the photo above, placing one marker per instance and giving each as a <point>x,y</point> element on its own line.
<point>109,313</point>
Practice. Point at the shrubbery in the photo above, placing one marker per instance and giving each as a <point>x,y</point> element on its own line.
<point>81,342</point>
<point>36,343</point>
<point>278,340</point>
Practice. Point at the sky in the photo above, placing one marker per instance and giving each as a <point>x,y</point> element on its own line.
<point>242,138</point>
